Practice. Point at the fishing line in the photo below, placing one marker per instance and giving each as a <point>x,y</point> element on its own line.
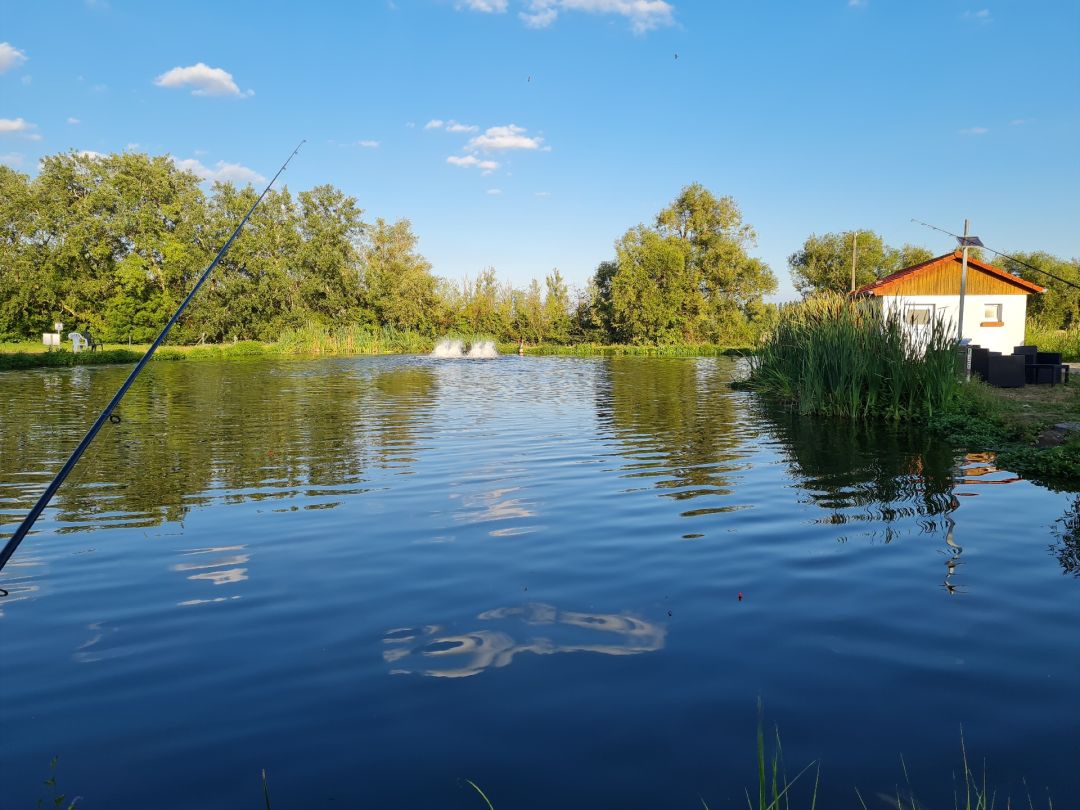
<point>1003,255</point>
<point>110,409</point>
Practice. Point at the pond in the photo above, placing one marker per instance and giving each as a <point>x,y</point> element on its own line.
<point>568,580</point>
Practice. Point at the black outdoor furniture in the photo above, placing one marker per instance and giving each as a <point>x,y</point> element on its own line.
<point>1006,370</point>
<point>1049,368</point>
<point>1026,365</point>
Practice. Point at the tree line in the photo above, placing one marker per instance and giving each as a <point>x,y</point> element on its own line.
<point>113,243</point>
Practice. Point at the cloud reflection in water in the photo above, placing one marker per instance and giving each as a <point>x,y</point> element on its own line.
<point>427,651</point>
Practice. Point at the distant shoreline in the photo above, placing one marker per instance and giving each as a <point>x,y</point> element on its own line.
<point>17,356</point>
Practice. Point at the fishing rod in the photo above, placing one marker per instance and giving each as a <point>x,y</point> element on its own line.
<point>1003,255</point>
<point>107,414</point>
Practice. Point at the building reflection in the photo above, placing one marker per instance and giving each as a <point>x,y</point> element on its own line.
<point>530,628</point>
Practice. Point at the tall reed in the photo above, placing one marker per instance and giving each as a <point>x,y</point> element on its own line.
<point>833,356</point>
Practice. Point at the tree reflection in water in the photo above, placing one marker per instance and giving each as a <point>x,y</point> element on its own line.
<point>676,420</point>
<point>195,432</point>
<point>431,651</point>
<point>1067,547</point>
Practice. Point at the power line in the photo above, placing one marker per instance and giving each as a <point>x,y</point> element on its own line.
<point>1004,255</point>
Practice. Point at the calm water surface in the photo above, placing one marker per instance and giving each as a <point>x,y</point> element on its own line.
<point>376,577</point>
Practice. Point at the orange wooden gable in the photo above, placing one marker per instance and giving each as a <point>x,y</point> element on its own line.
<point>941,276</point>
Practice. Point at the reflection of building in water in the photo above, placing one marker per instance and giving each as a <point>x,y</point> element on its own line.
<point>975,470</point>
<point>428,651</point>
<point>978,468</point>
<point>220,570</point>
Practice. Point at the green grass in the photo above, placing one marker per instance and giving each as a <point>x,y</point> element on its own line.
<point>1008,421</point>
<point>618,350</point>
<point>315,341</point>
<point>835,357</point>
<point>1066,341</point>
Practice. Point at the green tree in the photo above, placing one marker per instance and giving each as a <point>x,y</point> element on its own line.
<point>556,308</point>
<point>1059,306</point>
<point>327,276</point>
<point>688,278</point>
<point>823,263</point>
<point>400,288</point>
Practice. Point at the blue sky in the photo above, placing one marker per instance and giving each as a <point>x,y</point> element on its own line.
<point>573,120</point>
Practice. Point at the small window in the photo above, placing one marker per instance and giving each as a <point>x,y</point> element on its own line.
<point>919,314</point>
<point>991,315</point>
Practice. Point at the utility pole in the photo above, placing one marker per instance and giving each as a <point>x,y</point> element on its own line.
<point>963,285</point>
<point>854,255</point>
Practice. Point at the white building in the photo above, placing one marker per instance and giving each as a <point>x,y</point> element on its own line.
<point>995,301</point>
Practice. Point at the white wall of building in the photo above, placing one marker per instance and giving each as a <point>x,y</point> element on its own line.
<point>947,309</point>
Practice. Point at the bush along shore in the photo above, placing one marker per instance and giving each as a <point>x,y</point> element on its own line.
<point>347,341</point>
<point>830,356</point>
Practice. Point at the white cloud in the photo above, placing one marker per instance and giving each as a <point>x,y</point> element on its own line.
<point>13,125</point>
<point>90,153</point>
<point>368,144</point>
<point>1019,122</point>
<point>410,124</point>
<point>472,162</point>
<point>131,147</point>
<point>455,126</point>
<point>222,171</point>
<point>20,128</point>
<point>643,15</point>
<point>540,18</point>
<point>857,3</point>
<point>10,57</point>
<point>12,159</point>
<point>434,123</point>
<point>503,138</point>
<point>542,194</point>
<point>486,6</point>
<point>494,192</point>
<point>981,16</point>
<point>74,121</point>
<point>974,131</point>
<point>206,80</point>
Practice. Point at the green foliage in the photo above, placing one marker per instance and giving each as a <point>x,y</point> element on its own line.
<point>112,244</point>
<point>832,356</point>
<point>823,263</point>
<point>1049,339</point>
<point>1059,306</point>
<point>686,279</point>
<point>400,288</point>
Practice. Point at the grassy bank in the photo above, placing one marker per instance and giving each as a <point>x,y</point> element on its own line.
<point>1018,425</point>
<point>317,342</point>
<point>833,357</point>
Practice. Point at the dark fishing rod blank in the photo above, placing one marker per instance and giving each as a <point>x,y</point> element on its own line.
<point>107,413</point>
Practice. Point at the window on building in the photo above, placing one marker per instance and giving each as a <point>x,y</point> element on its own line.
<point>919,314</point>
<point>991,315</point>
